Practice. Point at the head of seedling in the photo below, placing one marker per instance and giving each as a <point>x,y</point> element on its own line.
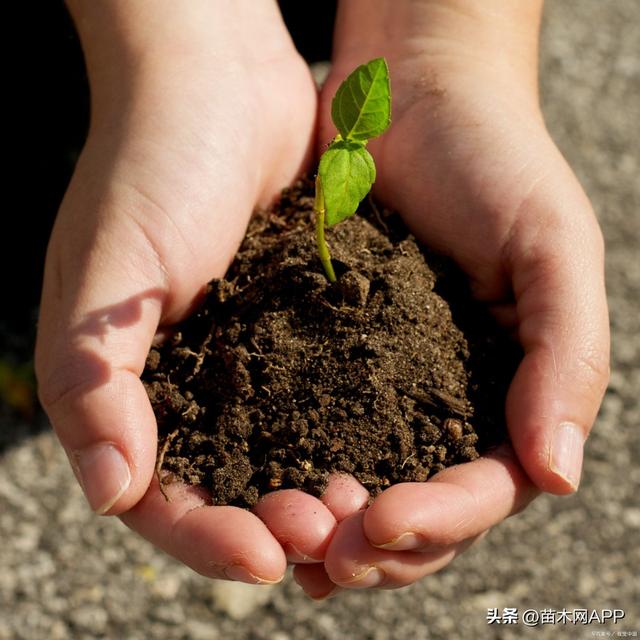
<point>361,110</point>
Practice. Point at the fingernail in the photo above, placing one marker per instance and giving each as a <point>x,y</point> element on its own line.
<point>238,573</point>
<point>104,475</point>
<point>408,541</point>
<point>370,577</point>
<point>327,596</point>
<point>565,459</point>
<point>298,557</point>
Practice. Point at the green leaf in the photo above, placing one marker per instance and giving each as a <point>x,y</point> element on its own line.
<point>361,108</point>
<point>346,173</point>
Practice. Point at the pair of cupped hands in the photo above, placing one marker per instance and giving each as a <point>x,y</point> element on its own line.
<point>180,152</point>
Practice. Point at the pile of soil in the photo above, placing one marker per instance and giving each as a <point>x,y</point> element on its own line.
<point>391,374</point>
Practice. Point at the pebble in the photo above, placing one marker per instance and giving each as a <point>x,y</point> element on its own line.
<point>89,618</point>
<point>239,600</point>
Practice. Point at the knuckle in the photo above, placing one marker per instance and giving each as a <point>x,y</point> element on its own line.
<point>68,381</point>
<point>595,365</point>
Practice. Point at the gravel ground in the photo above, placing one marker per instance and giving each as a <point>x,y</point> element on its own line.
<point>65,573</point>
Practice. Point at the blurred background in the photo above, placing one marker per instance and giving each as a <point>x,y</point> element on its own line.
<point>65,573</point>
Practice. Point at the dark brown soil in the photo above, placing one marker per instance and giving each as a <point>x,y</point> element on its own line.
<point>391,374</point>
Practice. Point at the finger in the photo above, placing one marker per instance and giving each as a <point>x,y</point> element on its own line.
<point>300,523</point>
<point>314,581</point>
<point>93,336</point>
<point>103,295</point>
<point>456,504</point>
<point>353,563</point>
<point>217,542</point>
<point>303,524</point>
<point>344,496</point>
<point>558,280</point>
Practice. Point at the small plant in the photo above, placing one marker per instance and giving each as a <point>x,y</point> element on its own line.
<point>360,110</point>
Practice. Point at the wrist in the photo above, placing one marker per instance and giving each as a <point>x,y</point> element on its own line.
<point>133,46</point>
<point>497,39</point>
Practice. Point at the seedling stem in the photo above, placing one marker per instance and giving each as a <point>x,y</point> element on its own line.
<point>361,110</point>
<point>323,249</point>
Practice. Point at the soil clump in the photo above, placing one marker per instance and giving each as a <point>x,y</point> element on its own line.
<point>280,378</point>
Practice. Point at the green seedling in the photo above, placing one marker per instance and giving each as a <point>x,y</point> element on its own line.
<point>361,110</point>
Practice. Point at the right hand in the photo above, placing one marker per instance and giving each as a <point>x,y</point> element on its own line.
<point>197,117</point>
<point>469,164</point>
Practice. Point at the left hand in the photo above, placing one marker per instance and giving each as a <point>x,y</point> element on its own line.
<point>471,167</point>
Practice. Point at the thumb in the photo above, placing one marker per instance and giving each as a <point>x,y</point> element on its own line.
<point>103,295</point>
<point>556,260</point>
